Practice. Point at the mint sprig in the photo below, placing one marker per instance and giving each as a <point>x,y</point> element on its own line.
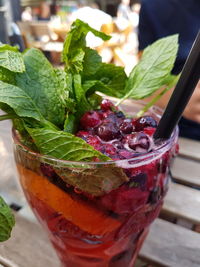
<point>34,93</point>
<point>7,221</point>
<point>46,104</point>
<point>153,70</point>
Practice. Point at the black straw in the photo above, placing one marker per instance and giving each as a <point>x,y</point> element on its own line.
<point>182,93</point>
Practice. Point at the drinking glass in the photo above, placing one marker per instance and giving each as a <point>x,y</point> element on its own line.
<point>107,227</point>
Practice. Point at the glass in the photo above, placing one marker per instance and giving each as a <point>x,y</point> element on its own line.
<point>108,228</point>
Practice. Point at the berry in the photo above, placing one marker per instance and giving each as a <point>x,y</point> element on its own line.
<point>83,134</point>
<point>47,170</point>
<point>106,104</point>
<point>110,150</point>
<point>143,122</point>
<point>124,200</point>
<point>111,118</point>
<point>120,114</point>
<point>94,141</point>
<point>139,142</point>
<point>108,131</point>
<point>149,131</point>
<point>90,119</point>
<point>118,144</point>
<point>126,126</point>
<point>140,181</point>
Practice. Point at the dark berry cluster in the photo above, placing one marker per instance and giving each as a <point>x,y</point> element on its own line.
<point>110,132</point>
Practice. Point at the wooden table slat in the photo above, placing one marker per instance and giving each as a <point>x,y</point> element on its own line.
<point>28,246</point>
<point>171,245</point>
<point>189,148</point>
<point>186,171</point>
<point>6,263</point>
<point>183,202</point>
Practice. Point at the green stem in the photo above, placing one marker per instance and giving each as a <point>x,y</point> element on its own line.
<point>152,102</point>
<point>122,99</point>
<point>8,117</point>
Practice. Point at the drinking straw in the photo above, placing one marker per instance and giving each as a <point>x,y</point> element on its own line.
<point>182,93</point>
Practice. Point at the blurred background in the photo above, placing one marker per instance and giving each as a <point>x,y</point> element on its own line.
<point>132,24</point>
<point>44,25</point>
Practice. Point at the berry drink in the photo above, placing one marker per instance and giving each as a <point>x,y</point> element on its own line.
<point>98,213</point>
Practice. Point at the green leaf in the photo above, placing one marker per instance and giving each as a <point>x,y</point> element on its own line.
<point>62,145</point>
<point>92,62</point>
<point>19,101</point>
<point>42,84</point>
<point>4,47</point>
<point>7,76</point>
<point>152,71</point>
<point>75,44</point>
<point>95,100</point>
<point>70,125</point>
<point>6,221</point>
<point>94,181</point>
<point>64,89</point>
<point>11,59</point>
<point>109,79</point>
<point>82,102</point>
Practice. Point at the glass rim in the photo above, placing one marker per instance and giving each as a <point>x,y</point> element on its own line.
<point>164,147</point>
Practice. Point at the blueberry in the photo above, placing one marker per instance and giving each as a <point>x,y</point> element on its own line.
<point>111,118</point>
<point>143,122</point>
<point>120,114</point>
<point>139,180</point>
<point>139,142</point>
<point>108,131</point>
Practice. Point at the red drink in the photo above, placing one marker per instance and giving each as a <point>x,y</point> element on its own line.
<point>104,220</point>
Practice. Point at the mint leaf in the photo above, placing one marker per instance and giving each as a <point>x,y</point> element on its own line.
<point>19,101</point>
<point>7,76</point>
<point>70,125</point>
<point>6,221</point>
<point>75,44</point>
<point>152,71</point>
<point>4,47</point>
<point>92,62</point>
<point>41,83</point>
<point>95,100</point>
<point>94,181</point>
<point>64,90</point>
<point>82,102</point>
<point>108,79</point>
<point>62,145</point>
<point>11,59</point>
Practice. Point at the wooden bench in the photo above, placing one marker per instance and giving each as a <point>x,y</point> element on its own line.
<point>173,239</point>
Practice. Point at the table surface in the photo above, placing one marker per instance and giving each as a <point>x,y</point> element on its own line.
<point>174,238</point>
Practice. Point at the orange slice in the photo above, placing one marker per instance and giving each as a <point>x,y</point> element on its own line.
<point>84,216</point>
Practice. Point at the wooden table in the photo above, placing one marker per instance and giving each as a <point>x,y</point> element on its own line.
<point>173,240</point>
